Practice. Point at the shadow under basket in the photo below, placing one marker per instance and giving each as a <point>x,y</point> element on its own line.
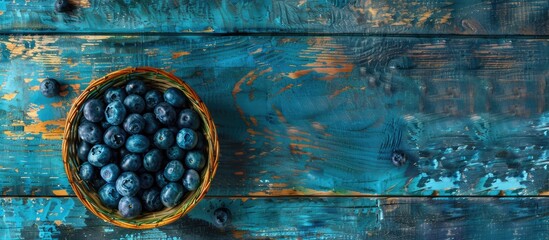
<point>154,79</point>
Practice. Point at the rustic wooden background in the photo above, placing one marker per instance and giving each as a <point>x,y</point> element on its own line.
<point>311,98</point>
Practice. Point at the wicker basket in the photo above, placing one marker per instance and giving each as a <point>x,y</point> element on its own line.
<point>154,78</point>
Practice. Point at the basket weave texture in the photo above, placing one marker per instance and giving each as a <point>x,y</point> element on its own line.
<point>154,79</point>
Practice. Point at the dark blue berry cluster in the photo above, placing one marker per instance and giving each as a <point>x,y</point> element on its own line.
<point>141,148</point>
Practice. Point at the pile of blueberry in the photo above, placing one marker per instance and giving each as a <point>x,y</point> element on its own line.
<point>140,148</point>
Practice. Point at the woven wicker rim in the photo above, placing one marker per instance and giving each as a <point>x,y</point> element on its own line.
<point>154,78</point>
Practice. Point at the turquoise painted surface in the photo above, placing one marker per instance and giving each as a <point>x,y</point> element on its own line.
<point>305,218</point>
<point>275,16</point>
<point>308,115</point>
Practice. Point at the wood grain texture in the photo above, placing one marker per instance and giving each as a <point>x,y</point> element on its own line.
<point>471,17</point>
<point>303,218</point>
<point>307,115</point>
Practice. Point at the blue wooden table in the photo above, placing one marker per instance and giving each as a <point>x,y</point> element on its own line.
<point>312,99</point>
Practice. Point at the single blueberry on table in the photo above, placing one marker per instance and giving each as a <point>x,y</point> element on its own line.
<point>222,217</point>
<point>129,207</point>
<point>161,181</point>
<point>136,87</point>
<point>114,137</point>
<point>152,98</point>
<point>134,103</point>
<point>151,123</point>
<point>90,132</point>
<point>110,172</point>
<point>49,87</point>
<point>175,97</point>
<point>134,123</point>
<point>195,160</point>
<point>151,199</point>
<point>174,170</point>
<point>163,138</point>
<point>86,171</point>
<point>175,153</point>
<point>153,160</point>
<point>191,179</point>
<point>165,113</point>
<point>398,158</point>
<point>137,143</point>
<point>186,138</point>
<point>109,196</point>
<point>115,94</point>
<point>188,118</point>
<point>94,110</point>
<point>127,184</point>
<point>146,180</point>
<point>83,150</point>
<point>99,155</point>
<point>131,162</point>
<point>115,113</point>
<point>172,194</point>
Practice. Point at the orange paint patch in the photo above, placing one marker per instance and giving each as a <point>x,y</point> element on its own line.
<point>278,185</point>
<point>9,96</point>
<point>239,234</point>
<point>51,130</point>
<point>280,116</point>
<point>445,19</point>
<point>239,173</point>
<point>13,135</point>
<point>32,112</point>
<point>339,91</point>
<point>57,104</point>
<point>424,18</point>
<point>298,74</point>
<point>318,126</point>
<point>34,88</point>
<point>177,55</point>
<point>58,222</point>
<point>61,192</point>
<point>253,78</point>
<point>253,120</point>
<point>285,88</point>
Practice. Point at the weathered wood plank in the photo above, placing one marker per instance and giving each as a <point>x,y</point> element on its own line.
<point>308,115</point>
<point>522,17</point>
<point>305,218</point>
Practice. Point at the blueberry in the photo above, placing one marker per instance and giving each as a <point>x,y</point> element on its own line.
<point>152,98</point>
<point>163,138</point>
<point>151,124</point>
<point>94,110</point>
<point>136,87</point>
<point>134,123</point>
<point>195,160</point>
<point>175,97</point>
<point>127,184</point>
<point>165,113</point>
<point>115,94</point>
<point>174,170</point>
<point>99,155</point>
<point>109,196</point>
<point>115,137</point>
<point>153,160</point>
<point>175,153</point>
<point>172,194</point>
<point>161,181</point>
<point>110,172</point>
<point>222,217</point>
<point>90,132</point>
<point>115,112</point>
<point>191,179</point>
<point>86,171</point>
<point>131,162</point>
<point>64,6</point>
<point>134,103</point>
<point>186,138</point>
<point>398,158</point>
<point>129,207</point>
<point>83,150</point>
<point>188,118</point>
<point>137,143</point>
<point>151,200</point>
<point>146,180</point>
<point>49,87</point>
